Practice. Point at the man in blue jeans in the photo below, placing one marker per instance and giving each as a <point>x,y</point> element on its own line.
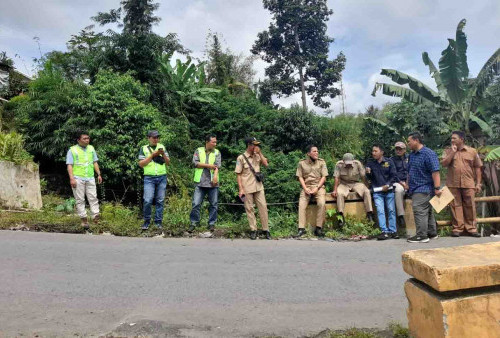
<point>153,158</point>
<point>381,171</point>
<point>207,161</point>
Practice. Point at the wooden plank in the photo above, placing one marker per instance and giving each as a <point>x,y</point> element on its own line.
<point>488,199</point>
<point>479,220</point>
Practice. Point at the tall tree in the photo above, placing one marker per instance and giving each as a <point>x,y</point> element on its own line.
<point>296,46</point>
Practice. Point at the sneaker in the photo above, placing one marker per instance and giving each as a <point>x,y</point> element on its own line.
<point>318,232</point>
<point>418,239</point>
<point>144,227</point>
<point>394,235</point>
<point>383,236</point>
<point>301,232</point>
<point>433,236</point>
<point>159,226</point>
<point>253,235</point>
<point>191,228</point>
<point>475,234</point>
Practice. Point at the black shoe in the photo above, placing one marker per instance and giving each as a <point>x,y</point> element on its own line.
<point>455,234</point>
<point>211,227</point>
<point>383,236</point>
<point>144,227</point>
<point>267,234</point>
<point>191,228</point>
<point>253,235</point>
<point>432,236</point>
<point>341,220</point>
<point>418,239</point>
<point>318,232</point>
<point>401,220</point>
<point>300,233</point>
<point>475,234</point>
<point>369,216</point>
<point>394,235</point>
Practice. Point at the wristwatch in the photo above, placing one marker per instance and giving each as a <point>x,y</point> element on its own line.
<point>437,188</point>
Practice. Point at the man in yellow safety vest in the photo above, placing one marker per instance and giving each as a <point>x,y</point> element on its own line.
<point>207,161</point>
<point>81,161</point>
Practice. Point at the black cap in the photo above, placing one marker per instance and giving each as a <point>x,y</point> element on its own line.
<point>251,140</point>
<point>153,133</point>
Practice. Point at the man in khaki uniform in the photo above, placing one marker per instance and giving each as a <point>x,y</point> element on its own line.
<point>348,174</point>
<point>463,165</point>
<point>312,173</point>
<point>250,189</point>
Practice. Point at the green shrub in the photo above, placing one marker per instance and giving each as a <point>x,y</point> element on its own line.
<point>12,148</point>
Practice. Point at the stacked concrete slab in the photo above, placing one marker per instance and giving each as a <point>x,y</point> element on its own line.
<point>455,291</point>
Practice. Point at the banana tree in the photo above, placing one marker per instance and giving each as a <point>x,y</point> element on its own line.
<point>456,93</point>
<point>186,81</point>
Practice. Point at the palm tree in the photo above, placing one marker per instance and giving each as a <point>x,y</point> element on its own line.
<point>456,93</point>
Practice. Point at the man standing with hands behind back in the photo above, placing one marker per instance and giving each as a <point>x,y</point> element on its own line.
<point>463,164</point>
<point>251,189</point>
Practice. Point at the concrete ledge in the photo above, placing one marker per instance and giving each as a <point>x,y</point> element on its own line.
<point>456,268</point>
<point>19,186</point>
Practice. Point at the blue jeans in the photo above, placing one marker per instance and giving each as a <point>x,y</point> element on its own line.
<point>198,196</point>
<point>154,189</point>
<point>383,200</point>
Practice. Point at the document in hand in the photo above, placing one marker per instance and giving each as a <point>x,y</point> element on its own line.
<point>438,203</point>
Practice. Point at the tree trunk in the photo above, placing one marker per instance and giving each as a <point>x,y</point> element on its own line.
<point>303,89</point>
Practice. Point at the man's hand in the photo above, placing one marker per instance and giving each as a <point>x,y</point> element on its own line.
<point>368,170</point>
<point>438,192</point>
<point>478,188</point>
<point>72,181</point>
<point>454,148</point>
<point>404,185</point>
<point>256,150</point>
<point>385,188</point>
<point>334,193</point>
<point>314,191</point>
<point>212,166</point>
<point>99,179</point>
<point>156,153</point>
<point>241,192</point>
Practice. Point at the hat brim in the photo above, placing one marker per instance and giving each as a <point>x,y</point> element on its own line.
<point>348,161</point>
<point>255,143</point>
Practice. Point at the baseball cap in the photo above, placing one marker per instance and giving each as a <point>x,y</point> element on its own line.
<point>400,144</point>
<point>251,140</point>
<point>348,158</point>
<point>153,133</point>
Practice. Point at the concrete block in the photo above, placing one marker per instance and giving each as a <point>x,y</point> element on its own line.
<point>454,314</point>
<point>456,268</point>
<point>19,186</point>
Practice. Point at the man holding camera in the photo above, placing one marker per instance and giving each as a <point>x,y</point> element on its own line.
<point>153,158</point>
<point>251,187</point>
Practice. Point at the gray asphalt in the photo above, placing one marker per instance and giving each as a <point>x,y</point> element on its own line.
<point>66,285</point>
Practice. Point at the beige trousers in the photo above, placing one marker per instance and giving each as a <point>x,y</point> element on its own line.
<point>86,188</point>
<point>304,202</point>
<point>259,198</point>
<point>463,210</point>
<point>360,189</point>
<point>399,198</point>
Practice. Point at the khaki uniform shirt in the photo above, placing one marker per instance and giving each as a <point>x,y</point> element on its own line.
<point>349,175</point>
<point>250,184</point>
<point>461,170</point>
<point>312,172</point>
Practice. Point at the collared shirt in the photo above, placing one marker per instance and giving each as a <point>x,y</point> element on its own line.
<point>312,172</point>
<point>206,176</point>
<point>382,173</point>
<point>401,163</point>
<point>250,184</point>
<point>70,160</point>
<point>461,172</point>
<point>349,175</point>
<point>421,165</point>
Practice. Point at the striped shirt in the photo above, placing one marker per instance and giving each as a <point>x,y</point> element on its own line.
<point>421,165</point>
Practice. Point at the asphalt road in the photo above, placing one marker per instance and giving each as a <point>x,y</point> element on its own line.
<point>66,285</point>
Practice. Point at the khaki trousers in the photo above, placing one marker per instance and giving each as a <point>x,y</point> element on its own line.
<point>463,210</point>
<point>86,188</point>
<point>399,198</point>
<point>259,198</point>
<point>304,202</point>
<point>360,189</point>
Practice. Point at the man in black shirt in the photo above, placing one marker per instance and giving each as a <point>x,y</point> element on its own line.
<point>400,187</point>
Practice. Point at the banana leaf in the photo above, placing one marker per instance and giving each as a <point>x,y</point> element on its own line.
<point>402,92</point>
<point>482,124</point>
<point>434,72</point>
<point>451,73</point>
<point>417,86</point>
<point>493,155</point>
<point>461,40</point>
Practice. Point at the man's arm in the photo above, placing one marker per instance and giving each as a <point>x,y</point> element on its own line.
<point>263,159</point>
<point>98,171</point>
<point>240,185</point>
<point>320,184</point>
<point>336,185</point>
<point>437,182</point>
<point>449,155</point>
<point>303,184</point>
<point>479,177</point>
<point>72,180</point>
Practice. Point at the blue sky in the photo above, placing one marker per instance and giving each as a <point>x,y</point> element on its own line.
<point>373,34</point>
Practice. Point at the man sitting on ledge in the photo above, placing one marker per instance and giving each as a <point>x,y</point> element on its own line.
<point>348,174</point>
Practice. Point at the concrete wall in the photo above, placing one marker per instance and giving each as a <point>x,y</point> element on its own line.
<point>19,186</point>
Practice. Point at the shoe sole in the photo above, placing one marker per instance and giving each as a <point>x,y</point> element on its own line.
<point>421,241</point>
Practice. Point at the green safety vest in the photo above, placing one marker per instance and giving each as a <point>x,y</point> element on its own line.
<point>153,168</point>
<point>83,161</point>
<point>203,159</point>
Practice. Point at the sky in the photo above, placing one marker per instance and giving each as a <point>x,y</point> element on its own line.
<point>373,34</point>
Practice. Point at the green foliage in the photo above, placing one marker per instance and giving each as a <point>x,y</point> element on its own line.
<point>353,227</point>
<point>339,135</point>
<point>68,206</point>
<point>296,42</point>
<point>12,148</point>
<point>377,132</point>
<point>493,155</point>
<point>399,331</point>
